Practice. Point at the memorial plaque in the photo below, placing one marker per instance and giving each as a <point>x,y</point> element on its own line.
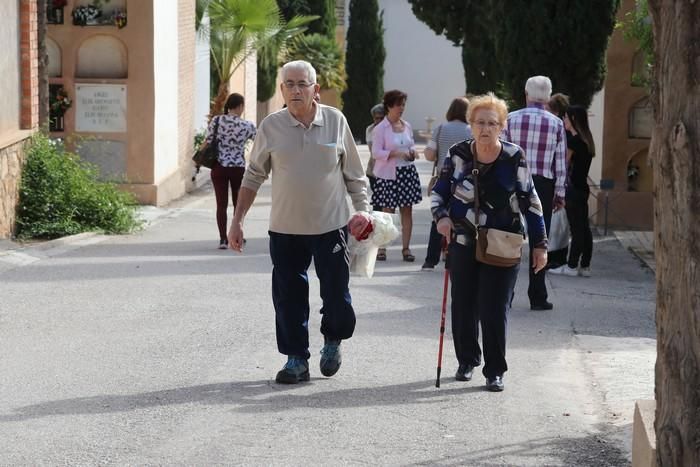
<point>100,108</point>
<point>108,156</point>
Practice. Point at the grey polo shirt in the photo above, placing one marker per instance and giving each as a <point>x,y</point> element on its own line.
<point>313,170</point>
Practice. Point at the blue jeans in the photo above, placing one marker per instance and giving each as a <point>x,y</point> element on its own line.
<point>291,257</point>
<point>480,293</point>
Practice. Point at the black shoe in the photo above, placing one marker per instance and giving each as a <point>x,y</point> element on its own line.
<point>330,357</point>
<point>428,266</point>
<point>464,373</point>
<point>295,370</point>
<point>495,384</point>
<point>223,244</point>
<point>541,306</point>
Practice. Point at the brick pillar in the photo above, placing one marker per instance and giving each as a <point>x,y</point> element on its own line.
<point>29,64</point>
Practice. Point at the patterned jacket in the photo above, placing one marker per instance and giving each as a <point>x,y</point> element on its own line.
<point>232,134</point>
<point>507,196</point>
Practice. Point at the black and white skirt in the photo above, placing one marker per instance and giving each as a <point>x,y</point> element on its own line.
<point>402,192</point>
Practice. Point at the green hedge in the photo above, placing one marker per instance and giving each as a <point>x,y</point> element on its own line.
<point>61,195</point>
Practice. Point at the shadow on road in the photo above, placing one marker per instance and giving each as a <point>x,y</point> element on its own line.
<point>266,396</point>
<point>248,395</point>
<point>591,450</point>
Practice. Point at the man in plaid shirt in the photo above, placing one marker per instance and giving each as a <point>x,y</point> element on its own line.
<point>541,135</point>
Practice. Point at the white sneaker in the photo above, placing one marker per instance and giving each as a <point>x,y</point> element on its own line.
<point>564,270</point>
<point>555,270</point>
<point>584,272</point>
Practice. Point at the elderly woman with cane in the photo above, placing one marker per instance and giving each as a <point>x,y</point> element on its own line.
<point>480,203</point>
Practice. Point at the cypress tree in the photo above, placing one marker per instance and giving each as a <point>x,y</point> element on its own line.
<point>364,64</point>
<point>467,24</point>
<point>325,25</point>
<point>564,40</point>
<point>267,73</point>
<point>506,42</point>
<point>292,8</point>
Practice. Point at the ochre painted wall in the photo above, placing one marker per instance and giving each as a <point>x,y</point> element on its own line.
<point>626,209</point>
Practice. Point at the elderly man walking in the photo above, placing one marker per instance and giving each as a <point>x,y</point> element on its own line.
<point>311,152</point>
<point>542,136</point>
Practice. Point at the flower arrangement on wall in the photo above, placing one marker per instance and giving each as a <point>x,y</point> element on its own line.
<point>61,102</point>
<point>86,14</point>
<point>119,18</point>
<point>92,14</point>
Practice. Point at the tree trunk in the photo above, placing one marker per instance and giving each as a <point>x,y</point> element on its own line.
<point>217,107</point>
<point>675,156</point>
<point>43,65</point>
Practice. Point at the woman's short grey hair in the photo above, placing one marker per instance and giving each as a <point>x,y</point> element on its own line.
<point>538,89</point>
<point>377,110</point>
<point>299,65</point>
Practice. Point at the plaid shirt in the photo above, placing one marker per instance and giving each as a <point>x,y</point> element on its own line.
<point>541,134</point>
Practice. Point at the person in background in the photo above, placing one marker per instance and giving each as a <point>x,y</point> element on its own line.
<point>582,151</point>
<point>558,104</point>
<point>398,185</point>
<point>541,135</point>
<point>482,293</point>
<point>377,113</point>
<point>444,136</point>
<point>311,153</point>
<point>232,134</point>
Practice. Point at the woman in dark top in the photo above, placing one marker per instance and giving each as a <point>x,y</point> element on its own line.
<point>582,151</point>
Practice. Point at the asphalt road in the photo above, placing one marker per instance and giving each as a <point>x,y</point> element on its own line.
<point>157,348</point>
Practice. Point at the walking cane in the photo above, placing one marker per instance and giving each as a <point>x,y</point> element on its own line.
<point>442,320</point>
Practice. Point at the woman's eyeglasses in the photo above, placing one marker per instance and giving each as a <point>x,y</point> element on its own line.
<point>491,125</point>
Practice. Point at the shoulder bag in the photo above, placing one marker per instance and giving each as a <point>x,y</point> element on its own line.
<point>209,155</point>
<point>434,177</point>
<point>494,247</point>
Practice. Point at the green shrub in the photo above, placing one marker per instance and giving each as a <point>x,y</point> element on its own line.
<point>61,195</point>
<point>324,55</point>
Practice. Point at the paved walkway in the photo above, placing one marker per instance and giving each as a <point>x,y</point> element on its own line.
<point>641,243</point>
<point>157,348</point>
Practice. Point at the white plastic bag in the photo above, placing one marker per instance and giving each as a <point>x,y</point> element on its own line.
<point>558,231</point>
<point>363,253</point>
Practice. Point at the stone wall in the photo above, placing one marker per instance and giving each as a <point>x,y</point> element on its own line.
<point>186,87</point>
<point>11,160</point>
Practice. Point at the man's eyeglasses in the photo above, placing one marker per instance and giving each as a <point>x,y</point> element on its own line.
<point>491,125</point>
<point>301,85</point>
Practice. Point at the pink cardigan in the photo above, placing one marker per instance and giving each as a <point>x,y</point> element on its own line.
<point>383,144</point>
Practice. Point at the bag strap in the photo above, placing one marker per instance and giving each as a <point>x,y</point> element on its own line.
<point>216,129</point>
<point>475,179</point>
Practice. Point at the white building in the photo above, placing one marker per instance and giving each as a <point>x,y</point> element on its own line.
<point>421,63</point>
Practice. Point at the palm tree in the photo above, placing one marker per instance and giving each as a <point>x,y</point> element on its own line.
<point>236,30</point>
<point>325,56</point>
